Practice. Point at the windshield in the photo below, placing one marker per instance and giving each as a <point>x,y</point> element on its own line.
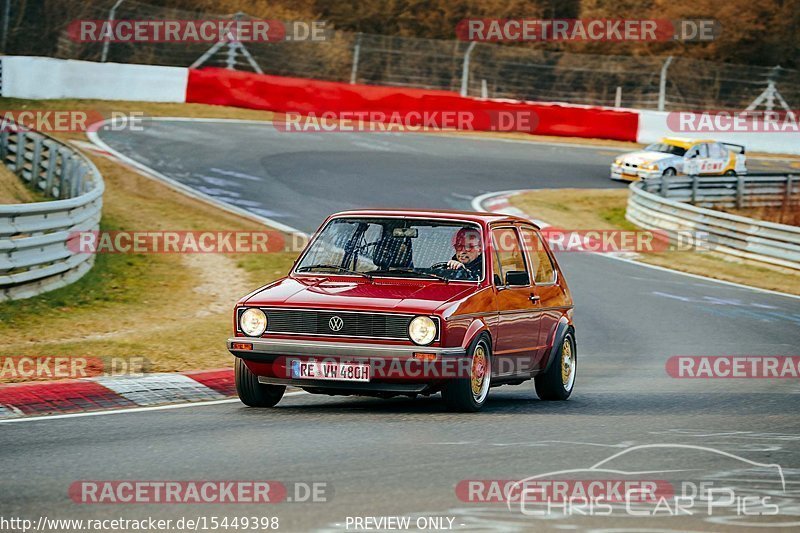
<point>666,148</point>
<point>397,247</point>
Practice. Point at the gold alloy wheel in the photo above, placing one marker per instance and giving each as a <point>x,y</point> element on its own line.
<point>567,364</point>
<point>479,375</point>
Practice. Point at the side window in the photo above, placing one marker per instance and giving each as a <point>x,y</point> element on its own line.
<point>703,150</point>
<point>716,151</point>
<point>498,271</point>
<point>542,267</point>
<point>508,251</point>
<point>693,152</point>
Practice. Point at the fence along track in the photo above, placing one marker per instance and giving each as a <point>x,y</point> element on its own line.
<point>747,238</point>
<point>34,252</point>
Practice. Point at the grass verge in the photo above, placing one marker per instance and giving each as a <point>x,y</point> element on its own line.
<point>605,209</point>
<point>172,309</point>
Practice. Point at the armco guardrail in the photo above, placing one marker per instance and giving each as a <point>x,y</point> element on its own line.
<point>767,242</point>
<point>34,254</point>
<point>755,190</point>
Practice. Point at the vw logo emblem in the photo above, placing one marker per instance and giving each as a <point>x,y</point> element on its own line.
<point>335,323</point>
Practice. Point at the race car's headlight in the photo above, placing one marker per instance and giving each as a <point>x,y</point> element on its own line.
<point>650,167</point>
<point>422,330</point>
<point>617,161</point>
<point>253,322</point>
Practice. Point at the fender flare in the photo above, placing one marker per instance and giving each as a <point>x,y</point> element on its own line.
<point>561,332</point>
<point>475,329</point>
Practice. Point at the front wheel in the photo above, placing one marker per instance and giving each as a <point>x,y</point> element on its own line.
<point>251,392</point>
<point>468,394</point>
<point>670,172</point>
<point>559,380</point>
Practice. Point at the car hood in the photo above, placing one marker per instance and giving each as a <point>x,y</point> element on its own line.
<point>411,296</point>
<point>644,157</point>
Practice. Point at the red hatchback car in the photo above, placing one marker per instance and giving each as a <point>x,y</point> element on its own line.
<point>400,302</point>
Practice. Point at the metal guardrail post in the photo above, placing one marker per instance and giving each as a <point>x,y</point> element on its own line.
<point>52,161</point>
<point>36,163</point>
<point>664,187</point>
<point>739,192</point>
<point>695,185</point>
<point>20,147</point>
<point>787,199</point>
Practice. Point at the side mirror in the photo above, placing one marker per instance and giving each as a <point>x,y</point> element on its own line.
<point>517,277</point>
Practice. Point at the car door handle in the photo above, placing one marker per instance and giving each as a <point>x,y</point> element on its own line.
<point>534,298</point>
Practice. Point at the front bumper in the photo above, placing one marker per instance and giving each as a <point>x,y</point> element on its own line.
<point>620,172</point>
<point>269,349</point>
<point>271,359</point>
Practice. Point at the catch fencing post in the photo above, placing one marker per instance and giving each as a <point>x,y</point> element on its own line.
<point>111,16</point>
<point>356,57</point>
<point>662,85</point>
<point>695,183</point>
<point>465,68</point>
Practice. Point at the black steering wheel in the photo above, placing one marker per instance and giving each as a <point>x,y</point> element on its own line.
<point>455,273</point>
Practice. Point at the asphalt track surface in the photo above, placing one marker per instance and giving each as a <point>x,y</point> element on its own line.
<point>405,457</point>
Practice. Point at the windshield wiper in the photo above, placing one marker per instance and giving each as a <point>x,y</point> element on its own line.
<point>414,272</point>
<point>334,267</point>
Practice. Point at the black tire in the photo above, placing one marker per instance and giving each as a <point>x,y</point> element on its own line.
<point>670,172</point>
<point>251,392</point>
<point>458,394</point>
<point>730,173</point>
<point>550,385</point>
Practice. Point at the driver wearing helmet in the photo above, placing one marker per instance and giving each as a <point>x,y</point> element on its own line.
<point>468,252</point>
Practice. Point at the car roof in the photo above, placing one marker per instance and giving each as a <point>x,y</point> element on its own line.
<point>685,142</point>
<point>467,216</point>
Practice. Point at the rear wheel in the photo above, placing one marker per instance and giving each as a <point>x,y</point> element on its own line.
<point>668,173</point>
<point>468,394</point>
<point>251,392</point>
<point>730,172</point>
<point>559,380</point>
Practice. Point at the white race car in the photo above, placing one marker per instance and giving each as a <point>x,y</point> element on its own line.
<point>673,155</point>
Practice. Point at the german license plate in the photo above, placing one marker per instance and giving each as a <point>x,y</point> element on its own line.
<point>330,371</point>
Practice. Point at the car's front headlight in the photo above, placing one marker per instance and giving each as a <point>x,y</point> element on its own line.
<point>422,330</point>
<point>253,322</point>
<point>618,162</point>
<point>652,166</point>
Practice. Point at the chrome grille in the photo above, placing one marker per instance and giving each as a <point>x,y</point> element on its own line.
<point>355,324</point>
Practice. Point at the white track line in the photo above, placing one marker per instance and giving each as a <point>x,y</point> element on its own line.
<point>132,410</point>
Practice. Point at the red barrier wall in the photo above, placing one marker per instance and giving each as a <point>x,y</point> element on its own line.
<point>282,94</point>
